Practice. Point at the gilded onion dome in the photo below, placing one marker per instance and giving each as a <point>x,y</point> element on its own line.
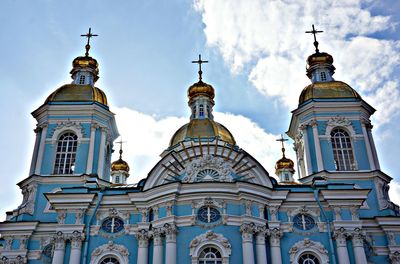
<point>202,125</point>
<point>120,164</point>
<point>320,70</point>
<point>85,73</point>
<point>284,163</point>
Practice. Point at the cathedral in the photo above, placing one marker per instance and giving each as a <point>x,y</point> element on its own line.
<point>206,201</point>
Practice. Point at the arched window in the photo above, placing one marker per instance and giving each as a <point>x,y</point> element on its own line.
<point>308,258</point>
<point>210,255</point>
<point>109,260</point>
<point>117,179</point>
<point>342,150</point>
<point>66,152</point>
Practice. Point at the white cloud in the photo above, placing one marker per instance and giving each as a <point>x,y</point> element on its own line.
<point>394,192</point>
<point>267,38</point>
<point>147,136</point>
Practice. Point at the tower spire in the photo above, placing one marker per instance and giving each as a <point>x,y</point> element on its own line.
<point>199,62</point>
<point>88,36</point>
<point>315,32</point>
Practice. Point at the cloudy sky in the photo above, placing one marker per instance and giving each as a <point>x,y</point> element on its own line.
<point>256,51</point>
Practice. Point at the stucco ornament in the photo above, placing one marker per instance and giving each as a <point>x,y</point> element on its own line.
<point>110,249</point>
<point>74,126</point>
<point>215,240</point>
<point>310,246</point>
<point>28,203</point>
<point>208,168</point>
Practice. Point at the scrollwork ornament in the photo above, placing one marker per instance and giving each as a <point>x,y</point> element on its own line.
<point>143,237</point>
<point>275,235</point>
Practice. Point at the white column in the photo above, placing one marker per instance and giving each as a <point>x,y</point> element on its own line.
<point>59,249</point>
<point>260,246</point>
<point>143,244</point>
<point>89,164</point>
<point>158,256</point>
<point>275,244</point>
<point>306,150</point>
<point>340,236</point>
<point>358,247</point>
<point>35,150</point>
<point>368,145</point>
<point>76,247</point>
<point>100,166</point>
<point>247,231</point>
<point>42,143</point>
<point>170,243</point>
<point>317,144</point>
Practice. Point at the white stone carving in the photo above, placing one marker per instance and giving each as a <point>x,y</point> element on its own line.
<point>222,167</point>
<point>61,127</point>
<point>110,249</point>
<point>343,122</point>
<point>308,245</point>
<point>210,239</point>
<point>382,192</point>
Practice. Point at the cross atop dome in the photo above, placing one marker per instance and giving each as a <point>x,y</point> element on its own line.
<point>199,62</point>
<point>315,32</point>
<point>88,35</point>
<point>282,139</point>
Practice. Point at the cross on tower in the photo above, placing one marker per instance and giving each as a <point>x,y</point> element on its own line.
<point>315,32</point>
<point>120,147</point>
<point>88,36</point>
<point>283,147</point>
<point>200,62</point>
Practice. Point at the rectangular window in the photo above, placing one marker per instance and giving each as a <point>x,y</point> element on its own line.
<point>82,79</point>
<point>323,76</point>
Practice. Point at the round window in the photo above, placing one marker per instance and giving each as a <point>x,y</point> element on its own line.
<point>208,214</point>
<point>112,225</point>
<point>109,260</point>
<point>303,222</point>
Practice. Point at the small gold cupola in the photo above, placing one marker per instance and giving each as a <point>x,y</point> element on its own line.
<point>284,167</point>
<point>119,168</point>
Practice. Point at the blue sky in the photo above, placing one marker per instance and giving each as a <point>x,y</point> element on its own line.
<point>256,52</point>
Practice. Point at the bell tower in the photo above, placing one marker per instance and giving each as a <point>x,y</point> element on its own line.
<point>331,126</point>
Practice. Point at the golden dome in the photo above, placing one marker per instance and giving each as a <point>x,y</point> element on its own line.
<point>327,90</point>
<point>202,129</point>
<point>200,88</point>
<point>88,63</point>
<point>77,93</point>
<point>284,163</point>
<point>119,165</point>
<point>319,58</point>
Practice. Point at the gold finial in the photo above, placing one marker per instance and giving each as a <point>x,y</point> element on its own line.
<point>88,36</point>
<point>120,147</point>
<point>283,147</point>
<point>315,32</point>
<point>200,62</point>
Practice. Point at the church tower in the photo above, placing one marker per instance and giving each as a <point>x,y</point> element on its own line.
<point>74,134</point>
<point>331,126</point>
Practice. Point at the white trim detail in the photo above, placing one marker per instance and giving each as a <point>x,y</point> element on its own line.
<point>210,239</point>
<point>110,249</point>
<point>308,245</point>
<point>62,127</point>
<point>340,122</point>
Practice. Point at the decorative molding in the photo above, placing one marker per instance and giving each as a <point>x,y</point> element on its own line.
<point>275,235</point>
<point>76,239</point>
<point>221,166</point>
<point>341,235</point>
<point>142,237</point>
<point>110,249</point>
<point>210,239</point>
<point>65,126</point>
<point>308,245</point>
<point>61,215</point>
<point>28,202</point>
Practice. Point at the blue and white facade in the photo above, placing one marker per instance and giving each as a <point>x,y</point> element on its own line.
<point>206,200</point>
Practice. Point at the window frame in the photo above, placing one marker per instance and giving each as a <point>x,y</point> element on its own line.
<point>61,157</point>
<point>342,149</point>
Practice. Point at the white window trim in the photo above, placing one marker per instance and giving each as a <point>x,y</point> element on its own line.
<point>308,245</point>
<point>110,249</point>
<point>210,239</point>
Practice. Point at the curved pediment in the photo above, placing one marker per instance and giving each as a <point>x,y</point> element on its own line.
<point>215,161</point>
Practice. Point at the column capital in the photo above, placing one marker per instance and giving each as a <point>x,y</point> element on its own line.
<point>358,237</point>
<point>157,234</point>
<point>143,237</point>
<point>275,235</point>
<point>340,235</point>
<point>59,241</point>
<point>170,231</point>
<point>76,239</point>
<point>313,123</point>
<point>394,257</point>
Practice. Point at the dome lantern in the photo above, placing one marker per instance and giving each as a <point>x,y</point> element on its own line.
<point>119,168</point>
<point>284,167</point>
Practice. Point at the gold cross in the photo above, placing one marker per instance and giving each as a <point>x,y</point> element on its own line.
<point>88,36</point>
<point>282,139</point>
